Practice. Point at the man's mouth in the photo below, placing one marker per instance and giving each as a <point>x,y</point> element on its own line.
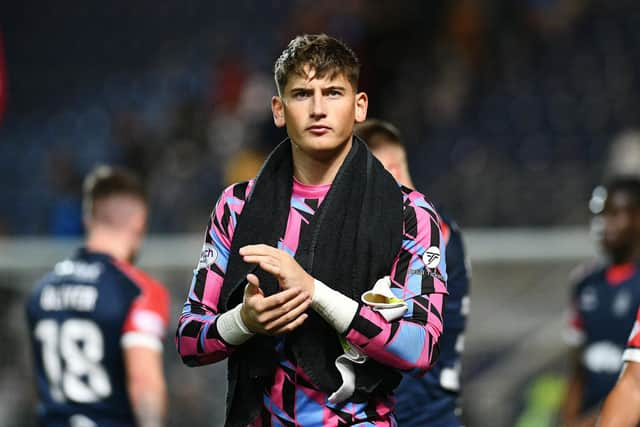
<point>318,129</point>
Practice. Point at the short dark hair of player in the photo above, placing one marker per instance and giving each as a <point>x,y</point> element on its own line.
<point>325,55</point>
<point>377,132</point>
<point>107,181</point>
<point>629,185</point>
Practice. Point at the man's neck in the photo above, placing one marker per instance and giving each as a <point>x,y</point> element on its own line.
<point>321,169</point>
<point>404,176</point>
<point>408,182</point>
<point>630,255</point>
<point>104,242</point>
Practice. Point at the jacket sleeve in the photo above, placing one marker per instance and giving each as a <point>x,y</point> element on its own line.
<point>198,340</point>
<point>455,310</point>
<point>418,276</point>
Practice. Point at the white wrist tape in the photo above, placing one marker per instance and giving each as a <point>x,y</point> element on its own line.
<point>231,327</point>
<point>337,309</point>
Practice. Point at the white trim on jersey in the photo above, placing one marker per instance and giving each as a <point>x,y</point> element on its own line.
<point>141,339</point>
<point>631,355</point>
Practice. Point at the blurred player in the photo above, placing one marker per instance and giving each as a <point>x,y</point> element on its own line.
<point>431,400</point>
<point>603,306</point>
<point>97,322</point>
<point>622,407</point>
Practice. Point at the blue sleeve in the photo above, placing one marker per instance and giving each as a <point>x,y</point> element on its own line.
<point>456,309</point>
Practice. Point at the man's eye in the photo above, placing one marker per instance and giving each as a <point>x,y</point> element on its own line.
<point>335,93</point>
<point>300,95</point>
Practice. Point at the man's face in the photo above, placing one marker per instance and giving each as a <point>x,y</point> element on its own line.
<point>319,113</point>
<point>621,219</point>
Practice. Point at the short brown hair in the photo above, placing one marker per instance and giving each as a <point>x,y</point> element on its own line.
<point>106,181</point>
<point>324,54</point>
<point>374,131</point>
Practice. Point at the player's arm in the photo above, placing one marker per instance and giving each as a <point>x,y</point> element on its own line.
<point>146,385</point>
<point>456,308</point>
<point>571,407</point>
<point>142,334</point>
<point>204,335</point>
<point>622,406</point>
<point>406,343</point>
<point>207,335</point>
<point>411,342</point>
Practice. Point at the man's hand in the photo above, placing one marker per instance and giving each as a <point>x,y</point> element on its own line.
<point>276,314</point>
<point>281,265</point>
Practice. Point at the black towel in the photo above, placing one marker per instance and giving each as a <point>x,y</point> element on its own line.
<point>351,242</point>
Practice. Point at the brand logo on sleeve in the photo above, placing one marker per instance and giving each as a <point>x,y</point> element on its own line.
<point>208,256</point>
<point>427,272</point>
<point>431,257</point>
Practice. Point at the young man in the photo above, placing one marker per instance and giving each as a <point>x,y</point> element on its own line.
<point>323,222</point>
<point>622,407</point>
<point>603,306</point>
<point>430,400</point>
<point>97,322</point>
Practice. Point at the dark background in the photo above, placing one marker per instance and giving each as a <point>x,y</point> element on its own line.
<point>509,108</point>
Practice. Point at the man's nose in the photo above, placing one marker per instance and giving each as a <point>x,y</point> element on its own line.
<point>318,107</point>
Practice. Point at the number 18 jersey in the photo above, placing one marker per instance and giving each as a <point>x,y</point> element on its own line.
<point>81,315</point>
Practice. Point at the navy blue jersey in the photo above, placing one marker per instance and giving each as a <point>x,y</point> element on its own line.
<point>604,306</point>
<point>432,400</point>
<point>80,316</point>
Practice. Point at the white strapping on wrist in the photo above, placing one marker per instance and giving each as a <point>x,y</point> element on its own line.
<point>336,308</point>
<point>231,327</point>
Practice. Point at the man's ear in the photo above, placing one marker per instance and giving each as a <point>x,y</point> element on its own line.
<point>362,102</point>
<point>277,107</point>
